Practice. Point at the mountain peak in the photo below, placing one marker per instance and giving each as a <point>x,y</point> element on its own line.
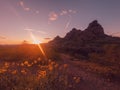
<point>93,31</point>
<point>73,34</point>
<point>94,22</point>
<point>96,28</point>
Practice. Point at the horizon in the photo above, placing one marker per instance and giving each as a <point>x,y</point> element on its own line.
<point>47,19</point>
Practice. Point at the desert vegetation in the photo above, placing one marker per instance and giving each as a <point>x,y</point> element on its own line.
<point>33,72</point>
<point>79,61</point>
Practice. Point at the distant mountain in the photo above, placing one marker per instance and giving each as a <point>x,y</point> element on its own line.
<point>89,40</point>
<point>93,31</point>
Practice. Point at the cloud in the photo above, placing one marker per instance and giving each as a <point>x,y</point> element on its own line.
<point>28,29</point>
<point>32,30</point>
<point>27,9</point>
<point>47,38</point>
<point>69,14</point>
<point>22,4</point>
<point>1,37</point>
<point>72,11</point>
<point>53,16</point>
<point>42,32</point>
<point>63,12</point>
<point>116,34</point>
<point>37,12</point>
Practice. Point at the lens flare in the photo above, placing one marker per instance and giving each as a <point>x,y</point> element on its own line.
<point>37,42</point>
<point>68,23</point>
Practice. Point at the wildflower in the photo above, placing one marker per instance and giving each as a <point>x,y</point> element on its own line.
<point>39,59</point>
<point>60,68</point>
<point>56,65</point>
<point>52,63</point>
<point>29,65</point>
<point>7,64</point>
<point>49,61</point>
<point>77,79</point>
<point>42,74</point>
<point>22,64</point>
<point>50,67</point>
<point>35,61</point>
<point>18,64</point>
<point>74,78</point>
<point>65,65</point>
<point>13,63</point>
<point>2,70</point>
<point>14,72</point>
<point>26,62</point>
<point>70,85</point>
<point>23,71</point>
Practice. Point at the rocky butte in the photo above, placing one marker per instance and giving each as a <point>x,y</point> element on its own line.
<point>84,42</point>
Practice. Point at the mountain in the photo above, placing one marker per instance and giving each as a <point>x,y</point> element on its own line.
<point>90,40</point>
<point>93,31</point>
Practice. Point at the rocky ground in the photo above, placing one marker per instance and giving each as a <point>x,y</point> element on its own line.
<point>88,80</point>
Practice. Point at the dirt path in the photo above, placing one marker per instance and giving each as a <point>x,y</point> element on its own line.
<point>88,81</point>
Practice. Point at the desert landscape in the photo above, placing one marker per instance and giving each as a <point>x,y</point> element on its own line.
<point>59,45</point>
<point>87,60</point>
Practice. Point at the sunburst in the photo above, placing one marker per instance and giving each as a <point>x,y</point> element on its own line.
<point>37,42</point>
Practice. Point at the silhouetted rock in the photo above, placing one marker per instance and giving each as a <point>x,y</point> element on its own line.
<point>84,42</point>
<point>95,27</point>
<point>73,34</point>
<point>56,41</point>
<point>57,38</point>
<point>94,31</point>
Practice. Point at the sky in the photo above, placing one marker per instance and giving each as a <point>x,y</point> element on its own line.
<point>46,19</point>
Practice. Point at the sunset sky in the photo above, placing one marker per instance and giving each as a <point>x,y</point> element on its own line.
<point>46,19</point>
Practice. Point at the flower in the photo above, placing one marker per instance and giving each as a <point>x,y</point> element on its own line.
<point>42,74</point>
<point>2,70</point>
<point>65,65</point>
<point>14,72</point>
<point>26,62</point>
<point>23,71</point>
<point>50,67</point>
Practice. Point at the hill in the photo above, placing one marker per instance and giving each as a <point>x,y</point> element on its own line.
<point>92,50</point>
<point>90,40</point>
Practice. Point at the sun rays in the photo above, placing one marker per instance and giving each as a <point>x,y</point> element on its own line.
<point>37,42</point>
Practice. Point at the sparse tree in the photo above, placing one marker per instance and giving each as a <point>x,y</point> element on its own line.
<point>25,42</point>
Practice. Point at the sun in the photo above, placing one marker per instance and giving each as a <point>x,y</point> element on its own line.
<point>36,42</point>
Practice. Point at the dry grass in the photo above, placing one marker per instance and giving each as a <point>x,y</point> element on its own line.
<point>32,73</point>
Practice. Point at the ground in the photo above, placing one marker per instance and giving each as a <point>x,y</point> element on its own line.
<point>88,80</point>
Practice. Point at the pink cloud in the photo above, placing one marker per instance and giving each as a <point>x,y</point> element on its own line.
<point>27,9</point>
<point>72,11</point>
<point>53,16</point>
<point>64,12</point>
<point>2,37</point>
<point>32,30</point>
<point>37,12</point>
<point>23,6</point>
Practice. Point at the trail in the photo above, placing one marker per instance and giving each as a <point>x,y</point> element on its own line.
<point>88,81</point>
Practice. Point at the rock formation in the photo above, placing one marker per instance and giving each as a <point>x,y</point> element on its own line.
<point>87,41</point>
